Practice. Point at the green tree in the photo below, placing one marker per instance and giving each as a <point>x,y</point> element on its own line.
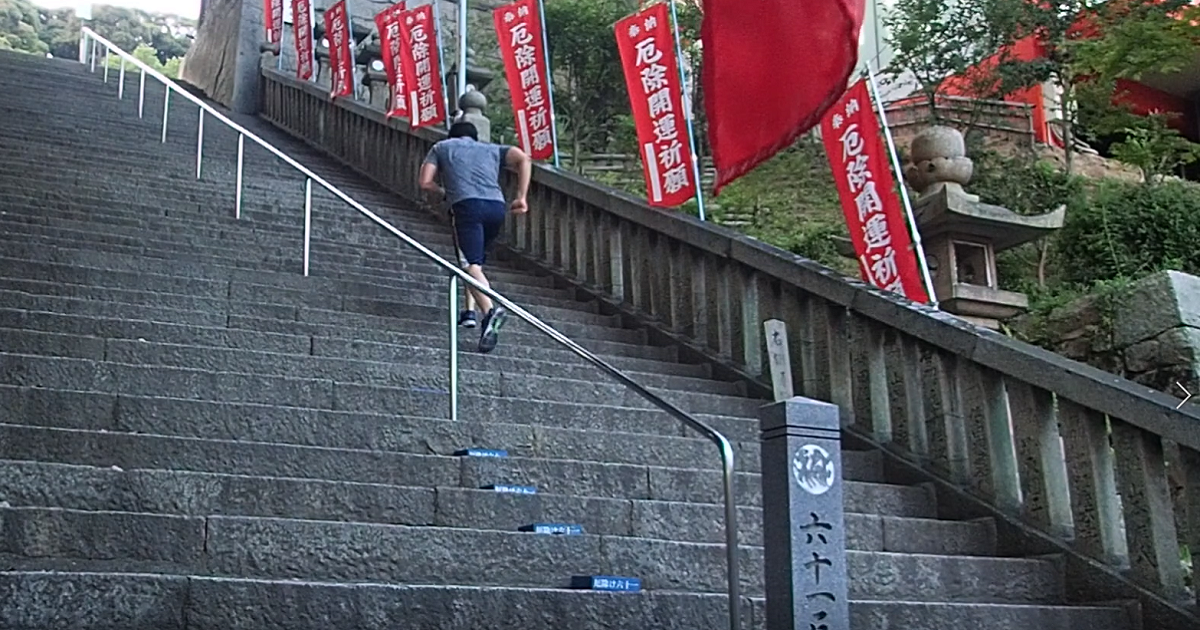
<point>1086,45</point>
<point>60,32</point>
<point>19,25</point>
<point>933,40</point>
<point>583,53</point>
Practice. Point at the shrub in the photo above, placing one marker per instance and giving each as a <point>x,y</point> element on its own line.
<point>1130,230</point>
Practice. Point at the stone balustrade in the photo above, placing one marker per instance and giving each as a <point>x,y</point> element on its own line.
<point>1070,456</point>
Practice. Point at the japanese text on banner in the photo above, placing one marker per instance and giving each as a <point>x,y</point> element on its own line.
<point>341,53</point>
<point>647,48</point>
<point>867,189</point>
<point>273,20</point>
<point>303,32</point>
<point>519,32</point>
<point>427,103</point>
<point>393,51</point>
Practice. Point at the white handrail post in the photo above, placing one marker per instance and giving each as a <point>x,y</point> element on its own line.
<point>94,44</point>
<point>307,222</point>
<point>453,348</point>
<point>237,204</point>
<point>142,95</point>
<point>200,144</point>
<point>121,87</point>
<point>166,112</point>
<point>83,48</point>
<point>107,50</point>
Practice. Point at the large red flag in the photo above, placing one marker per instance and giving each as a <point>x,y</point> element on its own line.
<point>887,257</point>
<point>771,70</point>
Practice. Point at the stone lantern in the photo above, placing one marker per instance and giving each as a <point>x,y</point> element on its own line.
<point>962,235</point>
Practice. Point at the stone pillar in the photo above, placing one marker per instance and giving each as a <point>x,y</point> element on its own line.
<point>471,105</point>
<point>804,532</point>
<point>225,59</point>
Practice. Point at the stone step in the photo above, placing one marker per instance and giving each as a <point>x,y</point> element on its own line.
<point>264,211</point>
<point>251,547</point>
<point>258,229</point>
<point>481,394</point>
<point>167,602</point>
<point>353,311</point>
<point>419,435</point>
<point>338,356</point>
<point>217,270</point>
<point>188,493</point>
<point>169,294</point>
<point>76,374</point>
<point>127,259</point>
<point>54,334</point>
<point>217,281</point>
<point>130,451</point>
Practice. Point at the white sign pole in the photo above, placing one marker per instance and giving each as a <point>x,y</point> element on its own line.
<point>912,223</point>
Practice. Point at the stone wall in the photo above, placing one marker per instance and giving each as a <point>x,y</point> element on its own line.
<point>1148,333</point>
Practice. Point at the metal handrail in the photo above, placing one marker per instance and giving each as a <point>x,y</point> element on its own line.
<point>456,274</point>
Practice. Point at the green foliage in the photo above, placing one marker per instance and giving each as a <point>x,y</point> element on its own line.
<point>26,28</point>
<point>1155,148</point>
<point>933,40</point>
<point>792,201</point>
<point>19,24</point>
<point>149,56</point>
<point>1125,230</point>
<point>130,28</point>
<point>587,70</point>
<point>1023,184</point>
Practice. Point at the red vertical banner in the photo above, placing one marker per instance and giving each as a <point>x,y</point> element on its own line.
<point>393,51</point>
<point>427,101</point>
<point>519,33</point>
<point>273,20</point>
<point>341,53</point>
<point>647,46</point>
<point>874,213</point>
<point>302,29</point>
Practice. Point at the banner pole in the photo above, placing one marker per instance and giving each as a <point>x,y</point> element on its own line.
<point>688,111</point>
<point>908,211</point>
<point>437,25</point>
<point>461,88</point>
<point>549,80</point>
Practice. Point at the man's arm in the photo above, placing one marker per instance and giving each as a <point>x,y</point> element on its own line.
<point>428,173</point>
<point>517,160</point>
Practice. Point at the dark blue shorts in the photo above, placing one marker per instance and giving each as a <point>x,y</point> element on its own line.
<point>477,222</point>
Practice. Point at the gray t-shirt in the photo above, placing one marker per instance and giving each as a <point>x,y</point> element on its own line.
<point>470,169</point>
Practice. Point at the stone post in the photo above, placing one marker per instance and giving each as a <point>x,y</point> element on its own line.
<point>804,533</point>
<point>472,104</point>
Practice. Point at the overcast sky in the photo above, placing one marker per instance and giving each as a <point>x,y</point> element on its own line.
<point>185,8</point>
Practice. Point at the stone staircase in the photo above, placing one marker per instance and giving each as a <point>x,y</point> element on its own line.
<point>194,435</point>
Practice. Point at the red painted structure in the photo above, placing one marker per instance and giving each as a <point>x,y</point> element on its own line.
<point>1170,94</point>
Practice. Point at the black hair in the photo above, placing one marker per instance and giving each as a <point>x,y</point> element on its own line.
<point>464,129</point>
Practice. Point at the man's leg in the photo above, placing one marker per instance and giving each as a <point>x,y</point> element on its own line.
<point>492,221</point>
<point>467,317</point>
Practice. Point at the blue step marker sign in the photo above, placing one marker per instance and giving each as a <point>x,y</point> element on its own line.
<point>610,583</point>
<point>553,529</point>
<point>510,489</point>
<point>481,452</point>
